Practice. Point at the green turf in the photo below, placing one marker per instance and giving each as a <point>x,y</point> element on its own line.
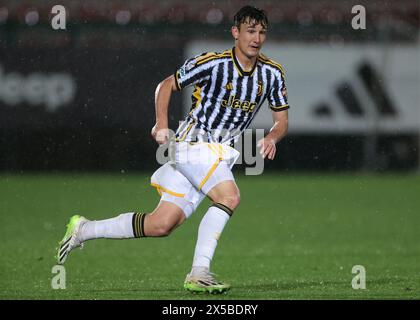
<point>293,237</point>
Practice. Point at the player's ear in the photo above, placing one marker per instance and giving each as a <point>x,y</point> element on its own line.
<point>235,32</point>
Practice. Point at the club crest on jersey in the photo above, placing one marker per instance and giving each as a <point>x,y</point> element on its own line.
<point>260,88</point>
<point>244,105</point>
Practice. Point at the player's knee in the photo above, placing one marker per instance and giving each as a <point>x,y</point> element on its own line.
<point>231,200</point>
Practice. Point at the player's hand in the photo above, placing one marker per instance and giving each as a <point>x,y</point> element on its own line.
<point>267,148</point>
<point>160,134</point>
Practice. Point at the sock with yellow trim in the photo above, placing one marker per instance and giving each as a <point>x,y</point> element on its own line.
<point>138,225</point>
<point>209,231</point>
<point>120,227</point>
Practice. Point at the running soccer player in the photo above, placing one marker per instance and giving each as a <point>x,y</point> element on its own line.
<point>230,88</point>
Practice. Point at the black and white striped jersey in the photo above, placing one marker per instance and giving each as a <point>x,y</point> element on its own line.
<point>226,98</point>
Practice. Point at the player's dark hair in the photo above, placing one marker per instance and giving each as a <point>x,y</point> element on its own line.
<point>252,15</point>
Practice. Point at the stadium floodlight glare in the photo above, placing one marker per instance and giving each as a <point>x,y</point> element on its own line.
<point>123,17</point>
<point>4,14</point>
<point>214,16</point>
<point>31,17</point>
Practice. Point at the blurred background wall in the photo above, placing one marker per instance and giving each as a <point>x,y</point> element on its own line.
<point>83,98</point>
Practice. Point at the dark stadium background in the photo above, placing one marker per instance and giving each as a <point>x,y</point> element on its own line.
<point>118,51</point>
<point>77,106</point>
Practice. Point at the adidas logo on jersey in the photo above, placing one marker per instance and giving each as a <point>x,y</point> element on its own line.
<point>229,86</point>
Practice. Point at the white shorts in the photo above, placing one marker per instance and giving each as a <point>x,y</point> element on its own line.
<point>195,170</point>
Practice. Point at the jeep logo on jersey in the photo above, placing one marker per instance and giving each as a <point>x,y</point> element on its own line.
<point>233,103</point>
<point>52,90</point>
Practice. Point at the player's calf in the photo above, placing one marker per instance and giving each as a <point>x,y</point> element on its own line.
<point>159,227</point>
<point>163,220</point>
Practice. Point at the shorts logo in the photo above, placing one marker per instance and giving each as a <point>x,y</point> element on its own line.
<point>233,103</point>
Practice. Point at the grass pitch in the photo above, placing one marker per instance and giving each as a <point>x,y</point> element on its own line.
<point>292,237</point>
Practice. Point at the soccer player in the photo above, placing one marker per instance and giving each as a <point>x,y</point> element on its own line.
<point>230,88</point>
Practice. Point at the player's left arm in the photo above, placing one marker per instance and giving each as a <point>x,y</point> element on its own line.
<point>277,132</point>
<point>277,101</point>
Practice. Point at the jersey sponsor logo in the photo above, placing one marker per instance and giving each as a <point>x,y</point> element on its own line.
<point>244,105</point>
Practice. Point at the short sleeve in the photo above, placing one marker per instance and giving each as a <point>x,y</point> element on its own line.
<point>194,70</point>
<point>277,96</point>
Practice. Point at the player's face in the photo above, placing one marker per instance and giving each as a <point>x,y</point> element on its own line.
<point>250,38</point>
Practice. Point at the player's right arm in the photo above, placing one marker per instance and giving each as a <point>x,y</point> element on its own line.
<point>160,131</point>
<point>193,71</point>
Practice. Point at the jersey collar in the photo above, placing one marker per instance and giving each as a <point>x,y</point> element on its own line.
<point>238,65</point>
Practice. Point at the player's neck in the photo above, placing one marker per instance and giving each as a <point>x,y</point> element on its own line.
<point>245,62</point>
